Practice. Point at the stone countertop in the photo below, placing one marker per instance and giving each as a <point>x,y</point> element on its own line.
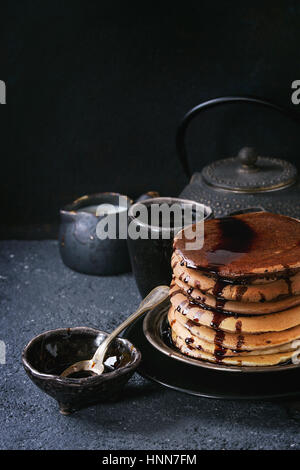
<point>37,293</point>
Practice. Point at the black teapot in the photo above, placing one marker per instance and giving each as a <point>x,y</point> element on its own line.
<point>245,181</point>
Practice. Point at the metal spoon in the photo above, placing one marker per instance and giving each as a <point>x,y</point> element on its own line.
<point>95,365</point>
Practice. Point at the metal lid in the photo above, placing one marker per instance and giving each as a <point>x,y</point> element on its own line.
<point>249,172</point>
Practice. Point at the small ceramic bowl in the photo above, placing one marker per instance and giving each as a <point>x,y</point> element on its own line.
<point>48,354</point>
<point>80,247</point>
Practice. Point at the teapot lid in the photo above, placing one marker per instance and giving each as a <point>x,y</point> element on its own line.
<point>249,172</point>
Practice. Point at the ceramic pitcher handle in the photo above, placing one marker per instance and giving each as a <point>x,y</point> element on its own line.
<point>188,117</point>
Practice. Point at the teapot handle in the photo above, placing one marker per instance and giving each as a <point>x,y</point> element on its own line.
<point>181,131</point>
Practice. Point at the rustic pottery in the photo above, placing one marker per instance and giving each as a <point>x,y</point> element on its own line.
<point>150,258</point>
<point>79,245</point>
<point>48,354</point>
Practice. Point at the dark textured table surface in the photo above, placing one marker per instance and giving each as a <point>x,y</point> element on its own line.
<point>37,293</point>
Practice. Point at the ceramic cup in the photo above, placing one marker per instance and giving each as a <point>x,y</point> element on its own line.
<point>151,257</point>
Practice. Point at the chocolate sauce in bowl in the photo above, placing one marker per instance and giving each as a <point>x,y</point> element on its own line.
<point>82,374</point>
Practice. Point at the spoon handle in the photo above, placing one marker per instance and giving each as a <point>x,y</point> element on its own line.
<point>155,297</point>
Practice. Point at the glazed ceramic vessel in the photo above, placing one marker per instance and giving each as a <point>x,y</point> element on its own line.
<point>150,258</point>
<point>47,355</point>
<point>80,247</point>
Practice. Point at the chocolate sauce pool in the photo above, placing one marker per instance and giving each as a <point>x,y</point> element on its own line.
<point>235,241</point>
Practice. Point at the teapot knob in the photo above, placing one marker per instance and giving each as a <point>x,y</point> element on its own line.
<point>248,157</point>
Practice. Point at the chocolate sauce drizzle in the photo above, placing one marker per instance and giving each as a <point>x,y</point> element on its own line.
<point>217,292</point>
<point>189,324</point>
<point>262,297</point>
<point>288,274</point>
<point>189,340</point>
<point>219,351</point>
<point>236,239</point>
<point>240,340</point>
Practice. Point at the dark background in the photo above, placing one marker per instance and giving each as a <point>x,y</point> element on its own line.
<point>95,91</point>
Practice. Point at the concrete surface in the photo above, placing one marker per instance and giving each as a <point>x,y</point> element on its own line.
<point>37,293</point>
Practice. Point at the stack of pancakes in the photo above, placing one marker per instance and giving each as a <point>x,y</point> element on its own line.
<point>236,300</point>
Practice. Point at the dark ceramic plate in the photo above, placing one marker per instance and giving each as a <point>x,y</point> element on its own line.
<point>210,383</point>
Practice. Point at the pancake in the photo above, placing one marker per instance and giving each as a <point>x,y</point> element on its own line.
<point>245,308</point>
<point>235,341</point>
<point>267,290</point>
<point>244,246</point>
<point>222,350</point>
<point>213,276</point>
<point>279,321</point>
<point>205,274</point>
<point>251,361</point>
